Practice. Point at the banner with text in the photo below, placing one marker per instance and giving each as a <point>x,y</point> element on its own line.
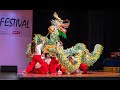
<point>15,35</point>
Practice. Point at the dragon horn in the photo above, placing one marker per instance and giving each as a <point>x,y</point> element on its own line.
<point>56,16</point>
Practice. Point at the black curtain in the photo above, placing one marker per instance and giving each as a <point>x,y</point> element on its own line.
<point>77,31</point>
<point>99,32</point>
<point>115,34</point>
<point>87,26</point>
<point>95,31</point>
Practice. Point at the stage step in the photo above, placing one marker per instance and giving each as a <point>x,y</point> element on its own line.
<point>8,68</point>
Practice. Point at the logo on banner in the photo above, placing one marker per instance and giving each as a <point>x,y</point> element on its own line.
<point>15,32</point>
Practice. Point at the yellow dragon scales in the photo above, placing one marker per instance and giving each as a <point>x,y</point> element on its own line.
<point>79,50</point>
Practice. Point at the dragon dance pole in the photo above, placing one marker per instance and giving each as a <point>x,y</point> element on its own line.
<point>47,34</point>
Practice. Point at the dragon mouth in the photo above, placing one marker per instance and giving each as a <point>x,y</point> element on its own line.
<point>63,27</point>
<point>66,23</point>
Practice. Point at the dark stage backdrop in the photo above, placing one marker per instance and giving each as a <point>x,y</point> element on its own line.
<point>77,31</point>
<point>87,26</point>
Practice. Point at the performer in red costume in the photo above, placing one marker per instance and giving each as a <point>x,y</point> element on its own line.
<point>54,65</point>
<point>47,58</point>
<point>61,70</point>
<point>82,67</point>
<point>37,64</point>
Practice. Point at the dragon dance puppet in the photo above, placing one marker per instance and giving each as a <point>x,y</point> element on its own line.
<point>52,46</point>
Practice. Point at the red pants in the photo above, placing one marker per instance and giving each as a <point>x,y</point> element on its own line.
<point>53,66</point>
<point>62,69</point>
<point>84,68</point>
<point>31,67</point>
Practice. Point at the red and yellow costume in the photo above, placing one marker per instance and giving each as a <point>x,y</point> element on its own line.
<point>31,67</point>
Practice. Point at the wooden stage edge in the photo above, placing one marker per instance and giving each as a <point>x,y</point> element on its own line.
<point>92,75</point>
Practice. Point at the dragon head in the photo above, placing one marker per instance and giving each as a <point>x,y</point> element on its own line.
<point>58,25</point>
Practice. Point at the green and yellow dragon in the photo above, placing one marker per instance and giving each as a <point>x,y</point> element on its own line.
<point>79,50</point>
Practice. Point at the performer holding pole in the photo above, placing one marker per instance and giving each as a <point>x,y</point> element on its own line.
<point>43,67</point>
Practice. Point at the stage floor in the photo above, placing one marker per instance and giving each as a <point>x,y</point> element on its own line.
<point>92,75</point>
